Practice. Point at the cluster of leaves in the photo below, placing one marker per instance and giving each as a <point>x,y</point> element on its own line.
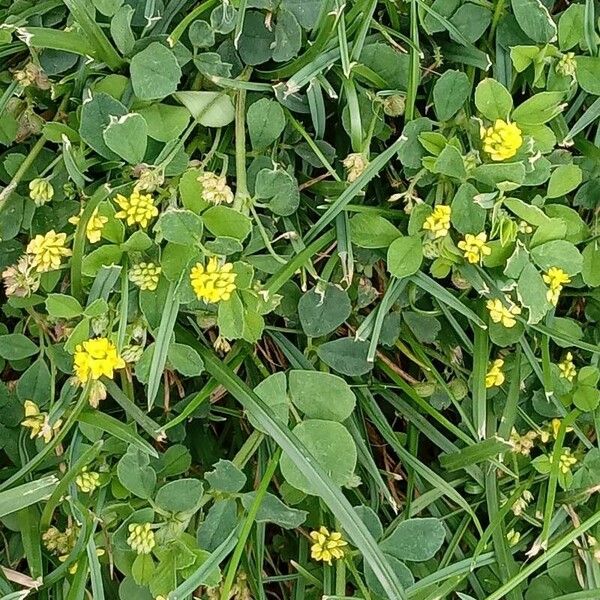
<point>339,265</point>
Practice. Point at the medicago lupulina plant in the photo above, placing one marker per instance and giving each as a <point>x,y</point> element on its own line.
<point>300,299</point>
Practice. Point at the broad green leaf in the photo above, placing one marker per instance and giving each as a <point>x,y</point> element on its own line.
<point>266,122</point>
<point>135,474</point>
<point>415,539</point>
<point>330,444</point>
<point>591,264</point>
<point>288,36</point>
<point>165,121</point>
<point>535,20</point>
<point>372,231</point>
<point>280,188</point>
<point>185,360</point>
<point>588,74</point>
<point>273,392</point>
<point>127,136</point>
<point>256,39</point>
<point>346,356</point>
<point>564,180</point>
<point>539,109</point>
<point>493,100</point>
<point>227,222</point>
<point>226,477</point>
<point>558,253</point>
<point>323,309</point>
<point>155,72</point>
<point>211,109</point>
<point>532,290</point>
<point>404,256</point>
<point>96,115</point>
<point>16,346</point>
<point>180,226</point>
<point>571,26</point>
<point>450,92</point>
<point>182,495</point>
<point>273,510</point>
<point>306,393</point>
<point>63,306</point>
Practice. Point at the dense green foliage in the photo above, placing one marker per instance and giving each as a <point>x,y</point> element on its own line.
<point>301,299</point>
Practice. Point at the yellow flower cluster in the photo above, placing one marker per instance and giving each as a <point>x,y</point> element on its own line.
<point>500,314</point>
<point>501,140</point>
<point>94,227</point>
<point>494,377</point>
<point>215,189</point>
<point>138,209</point>
<point>39,422</point>
<point>327,545</point>
<point>355,165</point>
<point>40,191</point>
<point>567,367</point>
<point>87,481</point>
<point>555,278</point>
<point>566,461</point>
<point>47,251</point>
<point>145,275</point>
<point>438,222</point>
<point>214,282</point>
<point>475,247</point>
<point>96,357</point>
<point>141,538</point>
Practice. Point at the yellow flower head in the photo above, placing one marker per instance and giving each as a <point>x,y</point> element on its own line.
<point>566,461</point>
<point>40,191</point>
<point>138,209</point>
<point>567,368</point>
<point>500,314</point>
<point>214,282</point>
<point>141,538</point>
<point>501,140</point>
<point>87,481</point>
<point>96,357</point>
<point>94,227</point>
<point>38,422</point>
<point>494,377</point>
<point>474,247</point>
<point>215,189</point>
<point>438,222</point>
<point>327,546</point>
<point>47,251</point>
<point>145,275</point>
<point>555,278</point>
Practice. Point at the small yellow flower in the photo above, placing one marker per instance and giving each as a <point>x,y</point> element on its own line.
<point>38,422</point>
<point>438,222</point>
<point>566,461</point>
<point>522,444</point>
<point>555,278</point>
<point>215,189</point>
<point>327,546</point>
<point>141,538</point>
<point>495,377</point>
<point>47,251</point>
<point>525,227</point>
<point>145,275</point>
<point>87,481</point>
<point>475,247</point>
<point>567,65</point>
<point>355,166</point>
<point>501,140</point>
<point>94,227</point>
<point>500,314</point>
<point>96,357</point>
<point>40,191</point>
<point>138,209</point>
<point>214,282</point>
<point>567,368</point>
